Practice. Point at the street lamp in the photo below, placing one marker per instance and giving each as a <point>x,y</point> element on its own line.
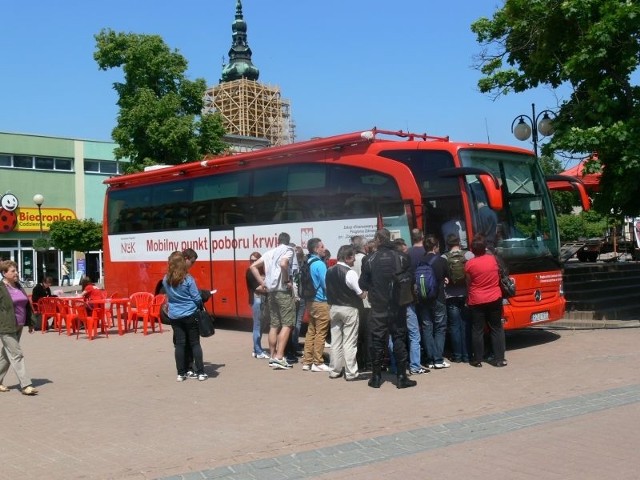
<point>38,199</point>
<point>542,123</point>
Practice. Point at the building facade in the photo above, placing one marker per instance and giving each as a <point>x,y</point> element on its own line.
<point>66,177</point>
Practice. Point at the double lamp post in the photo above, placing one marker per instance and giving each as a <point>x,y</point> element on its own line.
<point>542,124</point>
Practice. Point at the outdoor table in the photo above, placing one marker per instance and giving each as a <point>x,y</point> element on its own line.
<point>103,304</point>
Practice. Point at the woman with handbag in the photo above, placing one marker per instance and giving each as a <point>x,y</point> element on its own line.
<point>183,301</point>
<point>485,302</point>
<point>15,314</point>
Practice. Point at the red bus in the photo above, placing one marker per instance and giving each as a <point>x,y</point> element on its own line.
<point>333,188</point>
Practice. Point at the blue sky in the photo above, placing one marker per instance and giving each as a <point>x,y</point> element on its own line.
<point>345,65</point>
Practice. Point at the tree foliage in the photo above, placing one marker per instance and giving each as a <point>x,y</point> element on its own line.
<point>77,235</point>
<point>160,118</point>
<point>562,201</point>
<point>584,225</point>
<point>591,46</point>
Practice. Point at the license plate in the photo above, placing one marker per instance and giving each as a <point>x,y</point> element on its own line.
<point>539,317</point>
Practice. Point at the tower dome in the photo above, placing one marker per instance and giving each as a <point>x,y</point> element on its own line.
<point>240,65</point>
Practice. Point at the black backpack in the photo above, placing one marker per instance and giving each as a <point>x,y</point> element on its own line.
<point>307,288</point>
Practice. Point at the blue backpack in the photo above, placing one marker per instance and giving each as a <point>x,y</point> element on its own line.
<point>426,285</point>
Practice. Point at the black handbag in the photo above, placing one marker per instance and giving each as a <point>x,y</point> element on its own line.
<point>205,322</point>
<point>507,285</point>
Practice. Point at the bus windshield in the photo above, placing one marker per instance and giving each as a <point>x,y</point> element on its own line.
<point>527,236</point>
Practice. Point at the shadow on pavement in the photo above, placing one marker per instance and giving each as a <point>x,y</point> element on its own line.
<point>525,338</point>
<point>239,325</point>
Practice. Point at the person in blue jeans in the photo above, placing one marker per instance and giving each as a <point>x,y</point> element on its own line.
<point>416,252</point>
<point>256,297</point>
<point>458,317</point>
<point>183,299</point>
<point>434,312</point>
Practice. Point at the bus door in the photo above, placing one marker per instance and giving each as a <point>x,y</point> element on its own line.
<point>224,272</point>
<point>397,217</point>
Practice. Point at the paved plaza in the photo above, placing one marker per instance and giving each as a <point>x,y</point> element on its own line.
<point>566,407</point>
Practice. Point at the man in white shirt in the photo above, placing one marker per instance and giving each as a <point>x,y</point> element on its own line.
<point>345,299</point>
<point>281,303</point>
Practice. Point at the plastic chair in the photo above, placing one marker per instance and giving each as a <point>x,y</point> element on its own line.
<point>67,315</point>
<point>99,310</point>
<point>48,308</point>
<point>90,321</point>
<point>81,317</point>
<point>34,306</point>
<point>154,311</point>
<point>140,304</point>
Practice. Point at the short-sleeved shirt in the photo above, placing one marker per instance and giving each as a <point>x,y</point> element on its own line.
<point>484,282</point>
<point>273,272</point>
<point>20,300</point>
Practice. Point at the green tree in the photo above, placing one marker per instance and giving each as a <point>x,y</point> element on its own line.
<point>78,235</point>
<point>584,225</point>
<point>593,48</point>
<point>160,118</point>
<point>562,201</point>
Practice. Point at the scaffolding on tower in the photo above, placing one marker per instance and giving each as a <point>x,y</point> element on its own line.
<point>252,109</point>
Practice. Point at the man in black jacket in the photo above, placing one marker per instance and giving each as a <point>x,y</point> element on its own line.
<point>41,290</point>
<point>387,317</point>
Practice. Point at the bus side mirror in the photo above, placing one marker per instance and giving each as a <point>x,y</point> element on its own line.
<point>566,182</point>
<point>494,194</point>
<point>489,182</point>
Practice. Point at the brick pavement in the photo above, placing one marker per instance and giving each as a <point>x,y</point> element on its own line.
<point>111,409</point>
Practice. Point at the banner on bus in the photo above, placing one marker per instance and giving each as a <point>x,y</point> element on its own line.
<point>234,244</point>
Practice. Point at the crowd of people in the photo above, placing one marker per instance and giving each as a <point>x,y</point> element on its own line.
<point>358,302</point>
<point>371,328</point>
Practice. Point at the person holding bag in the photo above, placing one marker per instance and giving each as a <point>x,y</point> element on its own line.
<point>15,314</point>
<point>183,301</point>
<point>485,302</point>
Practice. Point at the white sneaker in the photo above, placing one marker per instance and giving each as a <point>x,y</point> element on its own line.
<point>444,364</point>
<point>262,355</point>
<point>320,368</point>
<point>281,364</point>
<point>202,377</point>
<point>181,378</point>
<point>306,367</point>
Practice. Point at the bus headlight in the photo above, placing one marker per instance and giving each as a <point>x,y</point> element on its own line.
<point>561,289</point>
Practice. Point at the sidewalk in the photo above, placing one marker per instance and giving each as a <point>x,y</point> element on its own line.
<point>586,324</point>
<point>111,408</point>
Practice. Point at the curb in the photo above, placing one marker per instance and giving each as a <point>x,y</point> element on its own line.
<point>572,324</point>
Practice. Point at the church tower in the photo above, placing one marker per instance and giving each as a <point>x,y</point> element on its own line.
<point>254,114</point>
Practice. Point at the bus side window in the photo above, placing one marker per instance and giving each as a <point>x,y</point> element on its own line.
<point>183,219</point>
<point>233,218</point>
<point>201,215</point>
<point>232,213</point>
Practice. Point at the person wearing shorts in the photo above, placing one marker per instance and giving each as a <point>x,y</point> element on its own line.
<point>282,307</point>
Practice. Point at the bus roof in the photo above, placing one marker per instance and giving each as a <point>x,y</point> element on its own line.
<point>356,142</point>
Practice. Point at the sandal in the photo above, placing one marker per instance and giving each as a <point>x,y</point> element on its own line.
<point>29,391</point>
<point>3,388</point>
